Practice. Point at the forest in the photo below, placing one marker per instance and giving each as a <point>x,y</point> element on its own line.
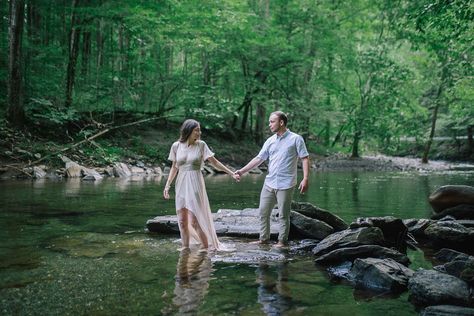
<point>352,75</point>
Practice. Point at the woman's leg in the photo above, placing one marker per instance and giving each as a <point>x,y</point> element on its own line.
<point>200,232</point>
<point>183,222</point>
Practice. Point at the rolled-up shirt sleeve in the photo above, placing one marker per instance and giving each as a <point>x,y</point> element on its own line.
<point>301,147</point>
<point>264,154</point>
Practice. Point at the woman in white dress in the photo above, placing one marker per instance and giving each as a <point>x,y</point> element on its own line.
<point>192,204</point>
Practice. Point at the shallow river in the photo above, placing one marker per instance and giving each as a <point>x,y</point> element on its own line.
<point>72,247</point>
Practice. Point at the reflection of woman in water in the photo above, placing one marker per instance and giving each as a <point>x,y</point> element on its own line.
<point>273,292</point>
<point>192,280</point>
<point>192,204</point>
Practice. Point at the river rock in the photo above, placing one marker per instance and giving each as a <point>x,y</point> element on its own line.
<point>450,196</point>
<point>447,310</point>
<point>461,267</point>
<point>366,251</point>
<point>308,227</point>
<point>121,170</point>
<point>158,171</point>
<point>137,170</point>
<point>447,255</point>
<point>417,227</point>
<point>451,234</point>
<point>304,246</point>
<point>73,169</point>
<point>349,238</point>
<point>236,223</point>
<point>462,211</point>
<point>90,174</point>
<point>380,275</point>
<point>393,229</point>
<point>315,212</point>
<point>430,287</point>
<point>38,173</point>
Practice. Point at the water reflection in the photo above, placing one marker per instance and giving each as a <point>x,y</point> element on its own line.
<point>192,281</point>
<point>273,292</point>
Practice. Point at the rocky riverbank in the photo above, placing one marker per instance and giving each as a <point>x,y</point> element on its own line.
<point>136,167</point>
<point>370,253</point>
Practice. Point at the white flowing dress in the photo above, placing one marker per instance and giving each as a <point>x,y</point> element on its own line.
<point>191,190</point>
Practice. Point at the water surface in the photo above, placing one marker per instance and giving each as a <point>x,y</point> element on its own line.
<point>72,247</point>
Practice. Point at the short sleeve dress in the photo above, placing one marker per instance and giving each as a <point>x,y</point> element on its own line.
<point>191,190</point>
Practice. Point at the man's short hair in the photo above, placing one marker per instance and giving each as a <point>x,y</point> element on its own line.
<point>281,116</point>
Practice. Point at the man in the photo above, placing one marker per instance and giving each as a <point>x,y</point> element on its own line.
<point>282,151</point>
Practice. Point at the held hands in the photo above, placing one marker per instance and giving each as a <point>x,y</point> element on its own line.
<point>303,186</point>
<point>236,176</point>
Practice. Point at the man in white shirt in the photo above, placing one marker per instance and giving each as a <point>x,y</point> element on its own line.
<point>282,151</point>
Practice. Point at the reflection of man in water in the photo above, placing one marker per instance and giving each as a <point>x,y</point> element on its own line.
<point>192,280</point>
<point>273,292</point>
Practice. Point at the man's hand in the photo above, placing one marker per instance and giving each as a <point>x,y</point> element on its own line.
<point>303,186</point>
<point>166,193</point>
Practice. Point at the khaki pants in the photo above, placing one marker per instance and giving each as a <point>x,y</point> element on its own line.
<point>268,198</point>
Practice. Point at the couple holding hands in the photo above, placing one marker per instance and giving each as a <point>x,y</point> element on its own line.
<point>188,154</point>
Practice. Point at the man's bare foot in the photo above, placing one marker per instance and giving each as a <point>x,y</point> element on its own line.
<point>260,242</point>
<point>281,244</point>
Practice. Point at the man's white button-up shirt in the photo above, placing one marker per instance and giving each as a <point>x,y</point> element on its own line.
<point>282,153</point>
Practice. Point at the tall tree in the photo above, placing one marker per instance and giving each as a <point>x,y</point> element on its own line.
<point>16,112</point>
<point>74,38</point>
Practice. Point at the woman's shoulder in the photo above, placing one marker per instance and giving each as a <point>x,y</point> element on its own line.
<point>201,143</point>
<point>175,145</point>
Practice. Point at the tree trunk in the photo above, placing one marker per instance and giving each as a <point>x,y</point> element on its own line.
<point>432,132</point>
<point>355,145</point>
<point>470,141</point>
<point>16,113</point>
<point>259,123</point>
<point>73,53</point>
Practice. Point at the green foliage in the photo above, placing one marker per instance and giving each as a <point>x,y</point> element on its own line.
<point>44,112</point>
<point>339,68</point>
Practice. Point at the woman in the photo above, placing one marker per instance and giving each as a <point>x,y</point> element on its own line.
<point>192,205</point>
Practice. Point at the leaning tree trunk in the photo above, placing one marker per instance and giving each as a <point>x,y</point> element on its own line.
<point>432,132</point>
<point>16,113</point>
<point>73,53</point>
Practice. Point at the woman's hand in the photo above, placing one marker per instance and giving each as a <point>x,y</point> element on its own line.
<point>166,193</point>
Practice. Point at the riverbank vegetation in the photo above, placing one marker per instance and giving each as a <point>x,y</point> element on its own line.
<point>97,77</point>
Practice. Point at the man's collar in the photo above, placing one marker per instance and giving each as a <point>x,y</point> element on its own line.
<point>284,134</point>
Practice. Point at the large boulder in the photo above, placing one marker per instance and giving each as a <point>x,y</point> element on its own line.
<point>451,234</point>
<point>236,223</point>
<point>308,227</point>
<point>121,170</point>
<point>381,275</point>
<point>73,169</point>
<point>430,287</point>
<point>393,229</point>
<point>349,238</point>
<point>315,212</point>
<point>451,195</point>
<point>340,255</point>
<point>461,267</point>
<point>462,211</point>
<point>447,310</point>
<point>446,255</point>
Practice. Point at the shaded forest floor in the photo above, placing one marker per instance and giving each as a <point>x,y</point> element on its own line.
<point>149,145</point>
